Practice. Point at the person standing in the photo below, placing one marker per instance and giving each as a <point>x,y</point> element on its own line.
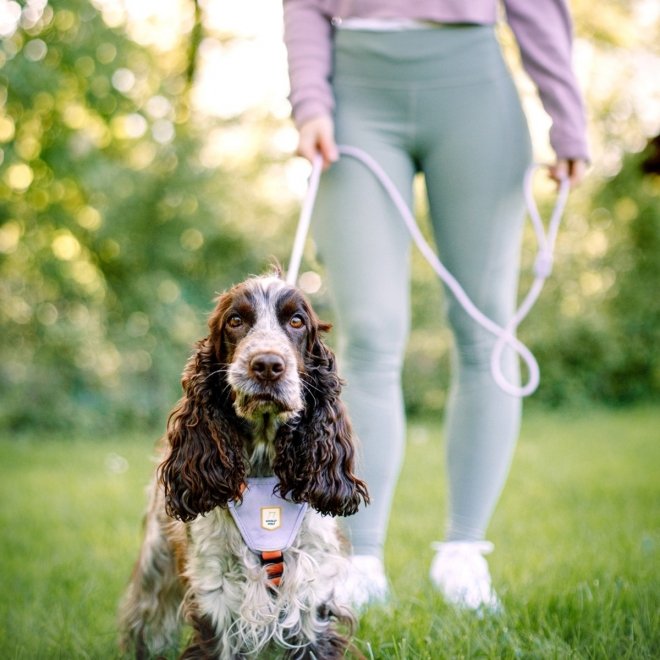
<point>422,87</point>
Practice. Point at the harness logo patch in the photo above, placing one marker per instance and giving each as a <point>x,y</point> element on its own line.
<point>271,518</point>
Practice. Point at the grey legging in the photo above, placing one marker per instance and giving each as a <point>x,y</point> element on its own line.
<point>440,101</point>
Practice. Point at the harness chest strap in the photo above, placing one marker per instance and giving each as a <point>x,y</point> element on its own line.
<point>273,560</point>
<point>268,523</point>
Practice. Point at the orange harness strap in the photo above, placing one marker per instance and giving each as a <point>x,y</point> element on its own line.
<point>273,560</point>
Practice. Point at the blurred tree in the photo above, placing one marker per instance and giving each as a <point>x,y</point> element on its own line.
<point>123,209</point>
<point>115,231</point>
<point>608,350</point>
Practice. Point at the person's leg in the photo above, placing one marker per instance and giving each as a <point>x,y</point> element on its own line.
<point>474,175</point>
<point>474,168</point>
<point>365,252</point>
<point>365,249</point>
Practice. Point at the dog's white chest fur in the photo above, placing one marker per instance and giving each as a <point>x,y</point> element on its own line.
<point>231,585</point>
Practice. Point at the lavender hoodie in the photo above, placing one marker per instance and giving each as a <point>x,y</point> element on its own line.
<point>542,28</point>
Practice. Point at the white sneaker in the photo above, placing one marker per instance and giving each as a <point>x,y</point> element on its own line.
<point>460,572</point>
<point>365,584</point>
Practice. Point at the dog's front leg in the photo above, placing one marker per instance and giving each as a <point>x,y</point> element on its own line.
<point>204,644</point>
<point>329,645</point>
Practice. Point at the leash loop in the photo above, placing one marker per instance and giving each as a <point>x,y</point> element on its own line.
<point>505,336</point>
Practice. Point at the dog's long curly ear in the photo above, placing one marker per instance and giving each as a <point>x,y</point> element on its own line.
<point>205,467</point>
<point>315,458</point>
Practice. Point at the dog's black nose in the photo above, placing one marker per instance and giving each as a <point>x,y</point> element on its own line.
<point>267,366</point>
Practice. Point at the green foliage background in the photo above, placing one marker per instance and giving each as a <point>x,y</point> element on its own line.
<point>116,231</point>
<point>114,237</point>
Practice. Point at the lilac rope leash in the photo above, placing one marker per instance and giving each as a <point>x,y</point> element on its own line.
<point>542,267</point>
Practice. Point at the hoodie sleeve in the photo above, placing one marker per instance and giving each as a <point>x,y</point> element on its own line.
<point>308,38</point>
<point>544,32</point>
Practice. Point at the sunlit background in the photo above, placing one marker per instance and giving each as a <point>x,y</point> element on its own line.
<point>242,65</point>
<point>147,161</point>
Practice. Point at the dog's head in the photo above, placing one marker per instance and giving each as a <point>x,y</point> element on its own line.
<point>263,331</point>
<point>263,365</point>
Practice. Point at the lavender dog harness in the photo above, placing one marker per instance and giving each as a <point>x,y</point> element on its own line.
<point>268,523</point>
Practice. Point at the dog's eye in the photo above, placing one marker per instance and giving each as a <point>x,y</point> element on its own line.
<point>234,321</point>
<point>296,321</point>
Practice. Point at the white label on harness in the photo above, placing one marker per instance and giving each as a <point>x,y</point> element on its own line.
<point>271,518</point>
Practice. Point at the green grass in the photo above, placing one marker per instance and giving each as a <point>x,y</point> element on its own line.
<point>576,535</point>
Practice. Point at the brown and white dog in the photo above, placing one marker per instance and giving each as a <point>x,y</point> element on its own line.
<point>261,398</point>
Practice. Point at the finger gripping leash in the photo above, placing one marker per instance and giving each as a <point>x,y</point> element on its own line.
<point>505,336</point>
